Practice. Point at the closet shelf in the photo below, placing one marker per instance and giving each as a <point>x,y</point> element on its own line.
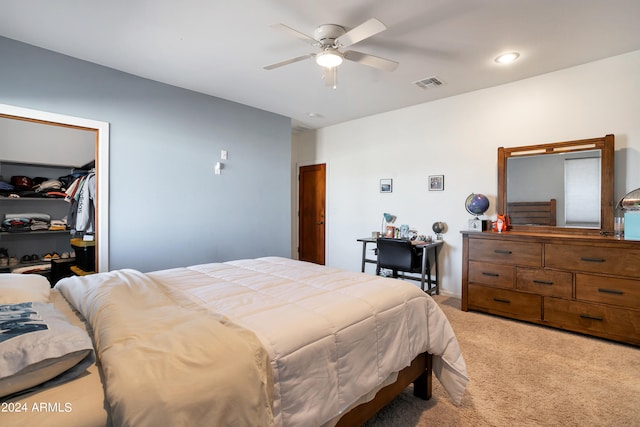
<point>31,199</point>
<point>20,234</point>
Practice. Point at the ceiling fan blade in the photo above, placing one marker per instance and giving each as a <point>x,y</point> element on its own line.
<point>330,76</point>
<point>288,61</point>
<point>297,34</point>
<point>361,32</point>
<point>370,60</point>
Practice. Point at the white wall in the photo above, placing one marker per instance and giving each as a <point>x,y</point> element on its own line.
<point>458,137</point>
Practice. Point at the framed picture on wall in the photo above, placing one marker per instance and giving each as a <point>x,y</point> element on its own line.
<point>436,183</point>
<point>386,185</point>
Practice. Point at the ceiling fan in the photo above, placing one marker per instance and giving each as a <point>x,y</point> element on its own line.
<point>330,38</point>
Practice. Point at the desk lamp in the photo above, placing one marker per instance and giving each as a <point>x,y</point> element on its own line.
<point>387,219</point>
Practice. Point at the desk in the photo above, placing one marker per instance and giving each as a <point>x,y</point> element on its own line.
<point>430,252</point>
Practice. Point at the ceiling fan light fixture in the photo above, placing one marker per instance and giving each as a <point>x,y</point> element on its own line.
<point>507,58</point>
<point>329,58</point>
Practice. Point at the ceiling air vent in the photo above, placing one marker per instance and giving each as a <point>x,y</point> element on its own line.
<point>429,82</point>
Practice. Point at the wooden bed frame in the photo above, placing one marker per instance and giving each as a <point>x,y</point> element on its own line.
<point>528,213</point>
<point>419,373</point>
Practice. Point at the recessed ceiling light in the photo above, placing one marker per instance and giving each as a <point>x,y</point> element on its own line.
<point>315,116</point>
<point>507,58</point>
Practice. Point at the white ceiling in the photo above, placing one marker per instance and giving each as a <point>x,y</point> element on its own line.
<point>219,48</point>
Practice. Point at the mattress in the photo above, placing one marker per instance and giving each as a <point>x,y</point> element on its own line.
<point>332,335</point>
<point>267,341</point>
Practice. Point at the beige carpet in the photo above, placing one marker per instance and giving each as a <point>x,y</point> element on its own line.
<point>527,375</point>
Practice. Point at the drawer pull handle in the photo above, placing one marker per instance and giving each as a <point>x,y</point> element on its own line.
<point>610,291</point>
<point>592,259</point>
<point>587,316</point>
<point>506,301</point>
<point>484,273</point>
<point>542,282</point>
<point>503,252</point>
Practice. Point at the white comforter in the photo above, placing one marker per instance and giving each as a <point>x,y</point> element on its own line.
<point>330,336</point>
<point>165,365</point>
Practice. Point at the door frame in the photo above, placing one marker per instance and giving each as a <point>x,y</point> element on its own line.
<point>296,204</point>
<point>102,167</point>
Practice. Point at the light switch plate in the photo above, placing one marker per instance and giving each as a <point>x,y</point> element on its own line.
<point>223,155</point>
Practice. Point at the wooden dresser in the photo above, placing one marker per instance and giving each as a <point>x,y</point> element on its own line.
<point>587,284</point>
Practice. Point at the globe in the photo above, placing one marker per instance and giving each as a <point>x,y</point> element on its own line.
<point>438,227</point>
<point>476,204</point>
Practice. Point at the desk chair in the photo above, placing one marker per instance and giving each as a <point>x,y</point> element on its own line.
<point>399,256</point>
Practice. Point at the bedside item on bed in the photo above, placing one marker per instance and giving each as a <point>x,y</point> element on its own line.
<point>37,342</point>
<point>476,204</point>
<point>40,349</point>
<point>17,288</point>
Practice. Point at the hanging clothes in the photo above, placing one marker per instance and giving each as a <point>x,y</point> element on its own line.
<point>81,196</point>
<point>85,216</point>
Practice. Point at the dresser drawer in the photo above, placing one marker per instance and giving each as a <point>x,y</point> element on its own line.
<point>486,273</point>
<point>593,259</point>
<point>506,252</point>
<point>505,302</point>
<point>608,290</point>
<point>549,283</point>
<point>594,318</point>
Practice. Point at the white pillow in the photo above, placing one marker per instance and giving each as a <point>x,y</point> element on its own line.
<point>39,348</point>
<point>17,288</point>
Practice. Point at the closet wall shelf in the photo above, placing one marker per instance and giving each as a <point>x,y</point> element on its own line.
<point>21,234</point>
<point>31,199</point>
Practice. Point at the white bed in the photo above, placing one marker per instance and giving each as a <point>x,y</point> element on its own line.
<point>269,341</point>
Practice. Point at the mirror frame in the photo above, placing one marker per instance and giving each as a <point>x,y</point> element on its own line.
<point>606,145</point>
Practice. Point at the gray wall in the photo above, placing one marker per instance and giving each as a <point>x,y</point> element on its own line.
<point>167,208</point>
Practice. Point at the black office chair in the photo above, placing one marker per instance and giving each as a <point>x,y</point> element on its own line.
<point>399,255</point>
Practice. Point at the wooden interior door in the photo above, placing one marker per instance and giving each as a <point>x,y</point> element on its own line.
<point>311,218</point>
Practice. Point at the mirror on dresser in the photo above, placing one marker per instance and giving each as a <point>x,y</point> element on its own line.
<point>562,187</point>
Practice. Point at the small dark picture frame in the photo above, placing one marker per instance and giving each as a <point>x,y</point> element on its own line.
<point>436,183</point>
<point>386,185</point>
